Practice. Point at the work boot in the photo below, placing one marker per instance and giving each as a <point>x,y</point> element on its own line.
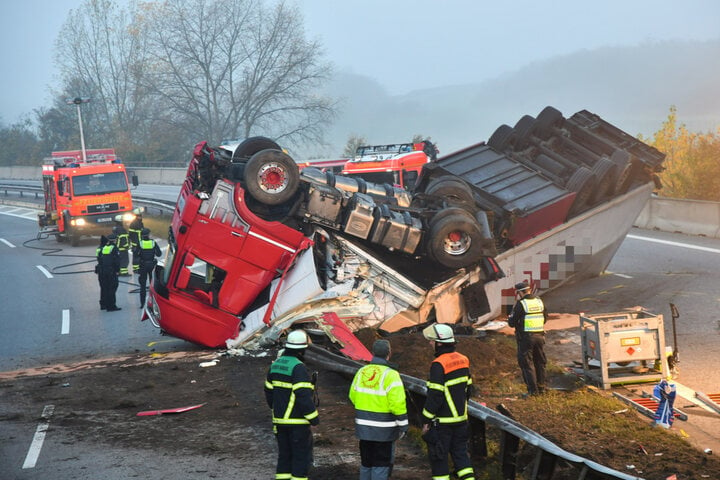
<point>114,309</point>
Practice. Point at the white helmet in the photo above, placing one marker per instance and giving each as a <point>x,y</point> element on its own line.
<point>439,332</point>
<point>297,339</point>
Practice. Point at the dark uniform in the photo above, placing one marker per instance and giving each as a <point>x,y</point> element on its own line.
<point>123,245</point>
<point>108,269</point>
<point>528,317</point>
<point>445,417</point>
<point>289,393</point>
<point>148,250</point>
<point>135,233</point>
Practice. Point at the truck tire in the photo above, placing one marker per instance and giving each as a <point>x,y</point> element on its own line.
<point>500,138</point>
<point>455,238</point>
<point>73,237</point>
<point>546,121</point>
<point>606,172</point>
<point>271,177</point>
<point>452,189</point>
<point>522,130</point>
<point>251,146</point>
<point>582,182</point>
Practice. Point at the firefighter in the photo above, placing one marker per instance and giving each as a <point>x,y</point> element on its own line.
<point>445,417</point>
<point>135,228</point>
<point>123,245</point>
<point>528,317</point>
<point>98,250</point>
<point>378,394</point>
<point>147,251</point>
<point>108,270</point>
<point>289,394</point>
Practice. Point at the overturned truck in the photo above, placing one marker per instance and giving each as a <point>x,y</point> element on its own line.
<point>256,245</point>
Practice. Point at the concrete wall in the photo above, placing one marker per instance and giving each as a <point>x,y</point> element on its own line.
<point>693,217</point>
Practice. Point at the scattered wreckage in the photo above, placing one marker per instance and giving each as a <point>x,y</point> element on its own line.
<point>257,244</point>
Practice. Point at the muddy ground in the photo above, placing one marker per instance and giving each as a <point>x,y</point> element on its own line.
<point>99,402</point>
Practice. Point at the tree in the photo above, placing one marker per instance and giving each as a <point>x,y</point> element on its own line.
<point>20,145</point>
<point>354,141</point>
<point>101,55</point>
<point>692,163</point>
<point>234,69</point>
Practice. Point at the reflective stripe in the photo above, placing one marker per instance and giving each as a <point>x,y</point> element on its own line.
<point>534,318</point>
<point>463,474</point>
<point>387,424</point>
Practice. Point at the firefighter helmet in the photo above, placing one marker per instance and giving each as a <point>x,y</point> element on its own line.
<point>297,339</point>
<point>439,332</point>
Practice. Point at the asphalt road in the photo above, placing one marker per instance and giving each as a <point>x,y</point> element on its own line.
<point>52,316</point>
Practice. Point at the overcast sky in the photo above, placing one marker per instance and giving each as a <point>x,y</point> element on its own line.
<point>403,44</point>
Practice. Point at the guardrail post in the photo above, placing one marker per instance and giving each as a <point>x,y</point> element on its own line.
<point>509,446</point>
<point>544,465</point>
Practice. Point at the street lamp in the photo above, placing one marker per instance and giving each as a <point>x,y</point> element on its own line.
<point>77,101</point>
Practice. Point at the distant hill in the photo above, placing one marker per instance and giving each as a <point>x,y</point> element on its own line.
<point>631,87</point>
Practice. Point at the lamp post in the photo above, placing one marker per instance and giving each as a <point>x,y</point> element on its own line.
<point>77,101</point>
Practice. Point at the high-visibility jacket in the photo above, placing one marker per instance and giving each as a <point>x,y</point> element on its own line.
<point>109,259</point>
<point>123,241</point>
<point>534,314</point>
<point>149,249</point>
<point>378,394</point>
<point>448,388</point>
<point>289,392</point>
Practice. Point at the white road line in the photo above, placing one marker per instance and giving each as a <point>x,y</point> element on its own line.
<point>622,275</point>
<point>39,438</point>
<point>26,216</point>
<point>65,322</point>
<point>44,271</point>
<point>7,243</point>
<point>675,244</point>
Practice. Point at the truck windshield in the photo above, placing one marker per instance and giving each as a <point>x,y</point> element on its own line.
<point>98,183</point>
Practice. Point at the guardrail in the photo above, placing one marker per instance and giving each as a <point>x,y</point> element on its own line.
<point>547,462</point>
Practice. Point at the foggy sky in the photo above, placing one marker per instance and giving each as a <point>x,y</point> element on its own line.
<point>403,45</point>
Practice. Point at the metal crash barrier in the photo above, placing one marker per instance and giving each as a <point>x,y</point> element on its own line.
<point>547,460</point>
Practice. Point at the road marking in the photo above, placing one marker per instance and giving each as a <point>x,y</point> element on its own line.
<point>675,244</point>
<point>44,271</point>
<point>39,438</point>
<point>65,322</point>
<point>7,243</point>
<point>621,275</point>
<point>29,214</point>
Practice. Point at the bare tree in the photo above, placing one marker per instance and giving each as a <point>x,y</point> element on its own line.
<point>353,142</point>
<point>234,68</point>
<point>100,51</point>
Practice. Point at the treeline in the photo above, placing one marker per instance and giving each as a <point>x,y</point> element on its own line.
<point>162,75</point>
<point>692,163</point>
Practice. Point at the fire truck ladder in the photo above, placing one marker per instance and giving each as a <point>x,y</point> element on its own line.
<point>647,405</point>
<point>712,400</point>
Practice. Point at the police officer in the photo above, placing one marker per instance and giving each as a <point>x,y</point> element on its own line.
<point>148,250</point>
<point>108,269</point>
<point>123,245</point>
<point>445,418</point>
<point>135,233</point>
<point>289,393</point>
<point>528,317</point>
<point>378,394</point>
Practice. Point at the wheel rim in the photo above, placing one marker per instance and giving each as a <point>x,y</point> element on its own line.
<point>273,178</point>
<point>457,243</point>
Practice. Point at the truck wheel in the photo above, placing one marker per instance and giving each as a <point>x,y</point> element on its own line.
<point>582,183</point>
<point>500,138</point>
<point>271,177</point>
<point>455,239</point>
<point>546,120</point>
<point>522,130</point>
<point>59,238</point>
<point>251,146</point>
<point>605,171</point>
<point>453,190</point>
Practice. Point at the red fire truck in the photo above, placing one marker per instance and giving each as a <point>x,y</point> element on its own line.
<point>398,164</point>
<point>84,194</point>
